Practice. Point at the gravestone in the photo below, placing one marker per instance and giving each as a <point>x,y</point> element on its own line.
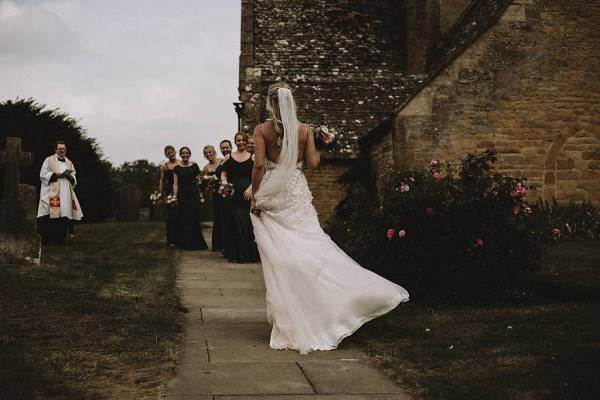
<point>130,198</point>
<point>158,212</point>
<point>18,237</point>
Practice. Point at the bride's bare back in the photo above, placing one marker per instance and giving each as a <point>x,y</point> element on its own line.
<point>267,148</point>
<point>306,145</point>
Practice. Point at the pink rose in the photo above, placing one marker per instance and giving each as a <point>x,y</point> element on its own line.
<point>516,209</point>
<point>520,190</point>
<point>556,232</point>
<point>528,210</point>
<point>391,233</point>
<point>404,187</point>
<point>437,176</point>
<point>401,233</point>
<point>433,163</point>
<point>429,211</point>
<point>479,242</point>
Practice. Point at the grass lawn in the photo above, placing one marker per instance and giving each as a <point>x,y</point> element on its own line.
<point>99,319</point>
<point>544,345</point>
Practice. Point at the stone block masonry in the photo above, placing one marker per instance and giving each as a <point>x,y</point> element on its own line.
<point>528,86</point>
<point>326,190</point>
<point>352,63</point>
<point>347,61</point>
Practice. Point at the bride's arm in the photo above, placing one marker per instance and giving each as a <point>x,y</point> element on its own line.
<point>311,155</point>
<point>259,160</point>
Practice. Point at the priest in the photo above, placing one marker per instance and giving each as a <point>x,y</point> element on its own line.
<point>58,206</point>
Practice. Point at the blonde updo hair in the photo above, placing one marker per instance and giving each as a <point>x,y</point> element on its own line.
<point>273,105</point>
<point>209,147</point>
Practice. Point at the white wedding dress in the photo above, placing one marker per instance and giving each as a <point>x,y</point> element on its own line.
<point>316,294</point>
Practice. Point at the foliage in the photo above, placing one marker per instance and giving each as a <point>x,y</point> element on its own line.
<point>449,232</point>
<point>576,220</point>
<point>39,128</point>
<point>141,173</point>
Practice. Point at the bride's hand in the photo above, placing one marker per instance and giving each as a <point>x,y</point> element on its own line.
<point>248,194</point>
<point>253,209</point>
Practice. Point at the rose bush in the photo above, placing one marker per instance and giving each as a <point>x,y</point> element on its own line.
<point>467,231</point>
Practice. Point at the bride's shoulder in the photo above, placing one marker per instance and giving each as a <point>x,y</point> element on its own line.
<point>260,128</point>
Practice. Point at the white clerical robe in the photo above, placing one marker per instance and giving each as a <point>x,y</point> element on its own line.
<point>67,194</point>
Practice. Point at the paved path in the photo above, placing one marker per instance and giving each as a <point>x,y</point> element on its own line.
<point>226,354</point>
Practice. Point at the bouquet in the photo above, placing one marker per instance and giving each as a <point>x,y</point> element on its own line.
<point>156,198</point>
<point>171,200</point>
<point>326,138</point>
<point>226,190</point>
<point>208,182</point>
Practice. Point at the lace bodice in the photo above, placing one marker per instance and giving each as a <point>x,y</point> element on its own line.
<point>294,203</point>
<point>270,165</point>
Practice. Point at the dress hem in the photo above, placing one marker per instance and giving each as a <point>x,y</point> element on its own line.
<point>393,304</point>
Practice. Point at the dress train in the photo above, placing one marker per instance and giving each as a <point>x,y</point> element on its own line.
<point>316,294</point>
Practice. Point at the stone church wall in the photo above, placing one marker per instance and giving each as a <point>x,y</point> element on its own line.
<point>347,63</point>
<point>528,86</point>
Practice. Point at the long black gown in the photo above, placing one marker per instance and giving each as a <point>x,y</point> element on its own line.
<point>171,211</point>
<point>219,233</point>
<point>240,246</point>
<point>189,231</point>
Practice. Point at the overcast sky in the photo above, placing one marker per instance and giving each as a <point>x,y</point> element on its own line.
<point>137,74</point>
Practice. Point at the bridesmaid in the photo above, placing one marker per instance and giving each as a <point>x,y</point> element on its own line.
<point>225,147</point>
<point>237,170</point>
<point>189,199</point>
<point>165,187</point>
<point>250,146</point>
<point>211,169</point>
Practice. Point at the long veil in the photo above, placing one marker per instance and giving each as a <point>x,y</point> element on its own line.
<point>286,162</point>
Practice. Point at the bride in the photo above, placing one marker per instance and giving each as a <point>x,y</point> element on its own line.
<point>316,294</point>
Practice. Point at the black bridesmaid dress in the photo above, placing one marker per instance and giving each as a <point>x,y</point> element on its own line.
<point>189,231</point>
<point>219,233</point>
<point>240,246</point>
<point>171,211</point>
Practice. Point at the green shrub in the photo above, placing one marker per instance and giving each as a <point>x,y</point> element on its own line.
<point>576,220</point>
<point>447,232</point>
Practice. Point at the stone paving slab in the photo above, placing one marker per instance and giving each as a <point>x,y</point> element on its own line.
<point>214,265</point>
<point>232,330</point>
<point>185,275</point>
<point>240,378</point>
<point>226,302</point>
<point>226,275</point>
<point>248,269</point>
<point>334,377</point>
<point>188,296</point>
<point>397,396</point>
<point>249,342</point>
<point>257,292</point>
<point>245,350</point>
<point>226,356</point>
<point>227,284</point>
<point>229,314</point>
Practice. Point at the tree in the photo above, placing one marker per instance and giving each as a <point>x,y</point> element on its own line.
<point>39,127</point>
<point>141,173</point>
